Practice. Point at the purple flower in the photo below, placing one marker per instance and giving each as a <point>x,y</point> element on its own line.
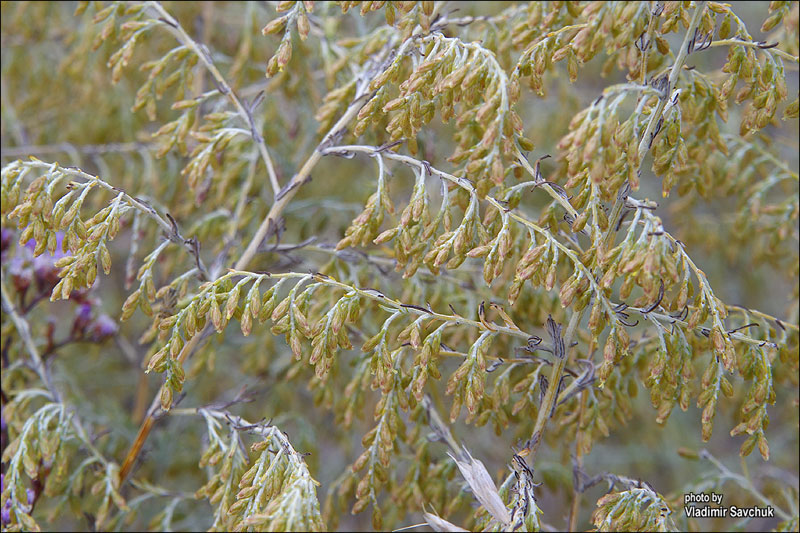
<point>24,267</point>
<point>20,273</point>
<point>83,316</point>
<point>84,312</point>
<point>6,513</point>
<point>6,237</point>
<point>103,327</point>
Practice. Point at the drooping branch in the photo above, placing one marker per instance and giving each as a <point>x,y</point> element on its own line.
<point>202,53</point>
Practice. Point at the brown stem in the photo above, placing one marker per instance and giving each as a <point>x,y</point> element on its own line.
<point>136,447</point>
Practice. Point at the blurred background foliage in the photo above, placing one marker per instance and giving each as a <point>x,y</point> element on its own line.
<point>59,104</point>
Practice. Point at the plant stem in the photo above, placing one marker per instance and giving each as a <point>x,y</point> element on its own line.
<point>750,44</point>
<point>286,195</point>
<point>646,142</point>
<point>546,186</point>
<point>549,400</point>
<point>395,304</point>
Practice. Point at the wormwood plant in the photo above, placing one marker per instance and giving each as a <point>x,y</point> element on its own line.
<point>308,265</point>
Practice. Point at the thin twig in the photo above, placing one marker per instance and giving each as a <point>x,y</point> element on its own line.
<point>560,198</point>
<point>394,304</point>
<point>760,45</point>
<point>167,223</point>
<point>576,489</point>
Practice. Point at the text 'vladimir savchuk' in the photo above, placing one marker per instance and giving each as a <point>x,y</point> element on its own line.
<point>707,511</point>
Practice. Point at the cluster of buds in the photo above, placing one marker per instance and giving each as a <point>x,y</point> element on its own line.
<point>584,30</point>
<point>175,134</point>
<point>410,13</point>
<point>537,265</point>
<point>277,493</point>
<point>158,79</point>
<point>452,73</point>
<point>467,383</point>
<point>220,301</point>
<point>608,408</point>
<point>20,516</point>
<point>414,242</point>
<point>328,334</point>
<point>53,225</point>
<point>600,152</point>
<point>780,11</point>
<point>37,216</point>
<point>227,459</point>
<point>380,444</point>
<point>616,348</point>
<point>129,32</point>
<point>365,226</point>
<point>636,509</point>
<point>755,363</point>
<point>177,329</point>
<point>495,252</point>
<point>671,372</point>
<point>539,19</point>
<point>37,452</point>
<point>382,359</point>
<point>213,138</point>
<point>681,153</point>
<point>765,86</point>
<point>460,241</point>
<point>80,269</point>
<point>297,16</point>
<point>764,78</point>
<point>426,358</point>
<point>649,260</point>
